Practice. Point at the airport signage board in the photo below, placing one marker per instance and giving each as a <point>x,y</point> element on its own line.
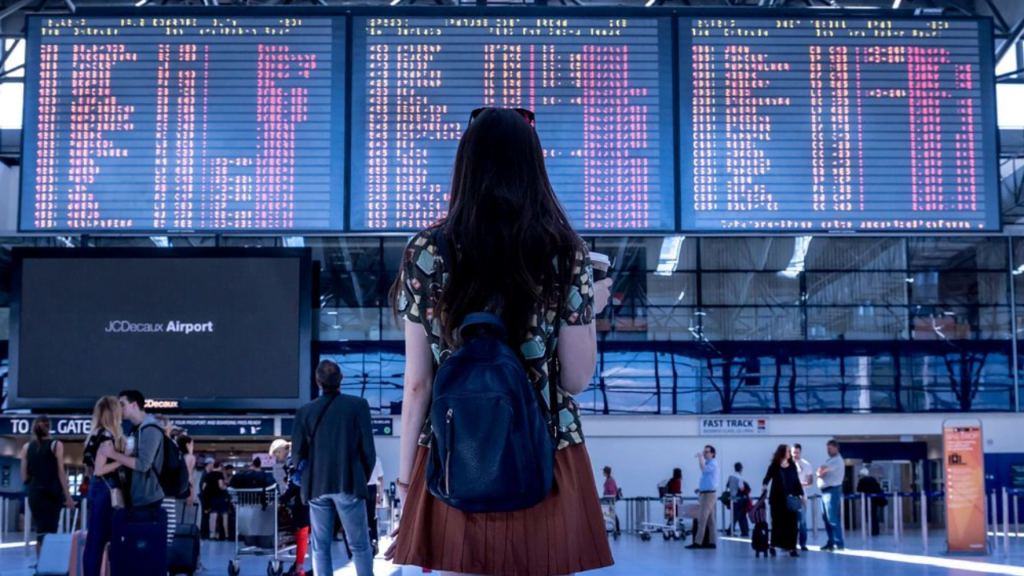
<point>81,426</point>
<point>964,458</point>
<point>381,425</point>
<point>733,426</point>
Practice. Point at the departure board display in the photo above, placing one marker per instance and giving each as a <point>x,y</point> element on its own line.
<point>185,123</point>
<point>601,88</point>
<point>833,124</point>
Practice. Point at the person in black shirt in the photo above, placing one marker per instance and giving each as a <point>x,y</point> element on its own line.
<point>42,470</point>
<point>785,482</point>
<point>215,492</point>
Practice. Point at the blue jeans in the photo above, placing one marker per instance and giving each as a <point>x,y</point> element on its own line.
<point>98,523</point>
<point>801,523</point>
<point>352,511</point>
<point>831,500</point>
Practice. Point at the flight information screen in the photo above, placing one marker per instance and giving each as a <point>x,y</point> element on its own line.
<point>833,124</point>
<point>184,123</point>
<point>601,89</point>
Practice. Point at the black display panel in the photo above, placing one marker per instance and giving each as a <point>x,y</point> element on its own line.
<point>213,329</point>
<point>601,88</point>
<point>806,123</point>
<point>184,122</point>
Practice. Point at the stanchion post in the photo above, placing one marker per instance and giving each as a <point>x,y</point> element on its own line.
<point>3,519</point>
<point>924,520</point>
<point>897,512</point>
<point>842,513</point>
<point>863,517</point>
<point>1006,523</point>
<point>815,513</point>
<point>1016,516</point>
<point>28,524</point>
<point>993,520</point>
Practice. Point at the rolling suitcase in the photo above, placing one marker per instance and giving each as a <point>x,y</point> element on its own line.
<point>61,552</point>
<point>183,555</point>
<point>138,544</point>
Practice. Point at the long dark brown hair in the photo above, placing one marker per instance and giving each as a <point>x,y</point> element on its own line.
<point>781,453</point>
<point>508,238</point>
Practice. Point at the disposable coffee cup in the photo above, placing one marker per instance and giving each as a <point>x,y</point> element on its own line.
<point>601,265</point>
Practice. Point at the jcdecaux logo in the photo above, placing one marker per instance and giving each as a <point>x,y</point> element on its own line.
<point>174,326</point>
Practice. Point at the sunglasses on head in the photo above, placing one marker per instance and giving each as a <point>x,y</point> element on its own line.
<point>527,115</point>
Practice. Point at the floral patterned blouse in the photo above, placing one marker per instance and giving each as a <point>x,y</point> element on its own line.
<point>422,278</point>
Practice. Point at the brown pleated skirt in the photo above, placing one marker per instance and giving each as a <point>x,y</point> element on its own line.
<point>563,534</point>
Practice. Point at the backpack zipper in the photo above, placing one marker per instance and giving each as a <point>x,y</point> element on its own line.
<point>448,457</point>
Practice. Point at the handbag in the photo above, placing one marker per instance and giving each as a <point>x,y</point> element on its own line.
<point>794,503</point>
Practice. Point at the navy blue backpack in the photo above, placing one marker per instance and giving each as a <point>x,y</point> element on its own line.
<point>493,449</point>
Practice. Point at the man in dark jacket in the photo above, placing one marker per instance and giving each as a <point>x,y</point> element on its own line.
<point>334,437</point>
<point>869,485</point>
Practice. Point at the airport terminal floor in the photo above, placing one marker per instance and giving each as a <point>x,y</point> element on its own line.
<point>659,558</point>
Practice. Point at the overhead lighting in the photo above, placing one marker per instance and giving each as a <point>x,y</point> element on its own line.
<point>161,241</point>
<point>896,4</point>
<point>141,3</point>
<point>651,3</point>
<point>396,2</point>
<point>294,242</point>
<point>1018,270</point>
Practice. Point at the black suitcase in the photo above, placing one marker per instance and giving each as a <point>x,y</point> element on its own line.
<point>138,544</point>
<point>183,555</point>
<point>759,540</point>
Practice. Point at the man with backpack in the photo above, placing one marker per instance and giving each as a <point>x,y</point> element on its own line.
<point>334,438</point>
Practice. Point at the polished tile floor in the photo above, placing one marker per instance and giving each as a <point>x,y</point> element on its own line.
<point>659,558</point>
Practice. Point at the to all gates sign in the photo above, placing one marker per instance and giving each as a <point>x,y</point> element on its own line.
<point>733,426</point>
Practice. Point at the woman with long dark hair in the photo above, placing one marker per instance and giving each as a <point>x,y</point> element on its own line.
<point>506,246</point>
<point>785,482</point>
<point>42,470</point>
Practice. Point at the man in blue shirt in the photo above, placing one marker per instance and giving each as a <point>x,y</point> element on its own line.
<point>707,490</point>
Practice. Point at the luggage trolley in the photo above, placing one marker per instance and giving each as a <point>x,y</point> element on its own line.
<point>611,517</point>
<point>673,528</point>
<point>256,515</point>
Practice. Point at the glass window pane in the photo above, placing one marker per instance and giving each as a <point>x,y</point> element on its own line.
<point>860,254</point>
<point>752,254</point>
<point>749,288</point>
<point>957,253</point>
<point>866,322</point>
<point>753,323</point>
<point>11,102</point>
<point>856,288</point>
<point>643,254</point>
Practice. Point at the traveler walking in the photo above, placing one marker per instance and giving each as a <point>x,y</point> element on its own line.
<point>333,434</point>
<point>806,473</point>
<point>506,250</point>
<point>706,491</point>
<point>214,489</point>
<point>785,499</point>
<point>830,479</point>
<point>42,470</point>
<point>105,492</point>
<point>611,488</point>
<point>280,449</point>
<point>739,501</point>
